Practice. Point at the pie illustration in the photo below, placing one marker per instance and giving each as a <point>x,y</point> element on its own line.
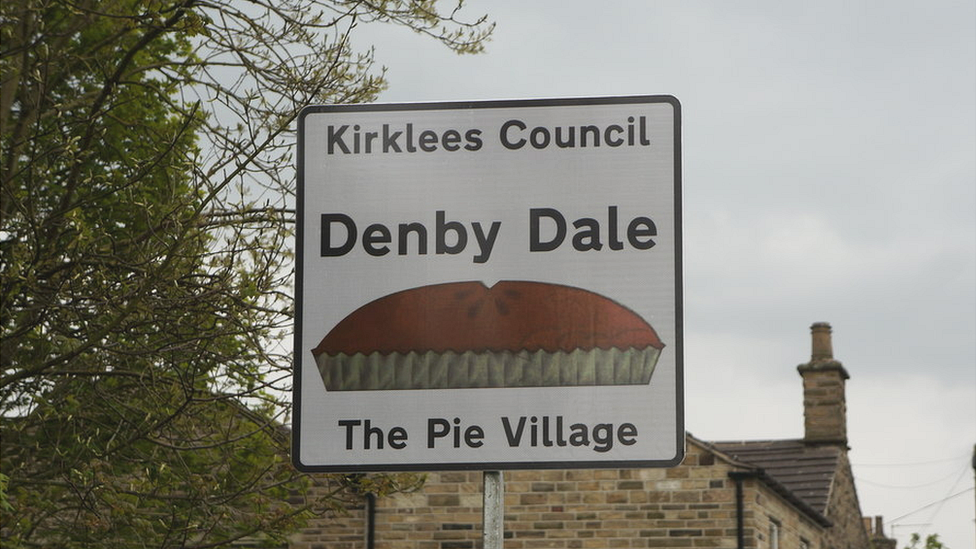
<point>467,335</point>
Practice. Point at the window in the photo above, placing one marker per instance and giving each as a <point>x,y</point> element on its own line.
<point>774,527</point>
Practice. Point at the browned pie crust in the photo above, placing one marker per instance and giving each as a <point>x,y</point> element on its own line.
<point>469,316</point>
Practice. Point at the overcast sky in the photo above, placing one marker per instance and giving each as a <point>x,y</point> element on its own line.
<point>829,158</point>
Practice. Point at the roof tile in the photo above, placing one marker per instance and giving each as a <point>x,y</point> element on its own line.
<point>806,471</point>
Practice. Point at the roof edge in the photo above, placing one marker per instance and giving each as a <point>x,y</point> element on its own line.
<point>721,455</point>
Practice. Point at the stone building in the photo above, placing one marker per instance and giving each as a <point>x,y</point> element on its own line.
<point>766,494</point>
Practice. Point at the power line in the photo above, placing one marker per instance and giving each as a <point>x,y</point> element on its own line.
<point>906,487</point>
<point>910,464</point>
<point>941,503</point>
<point>934,503</point>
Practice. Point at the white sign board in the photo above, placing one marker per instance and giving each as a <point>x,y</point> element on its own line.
<point>489,285</point>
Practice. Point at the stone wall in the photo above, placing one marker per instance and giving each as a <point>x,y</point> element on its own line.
<point>692,505</point>
<point>848,531</point>
<point>767,507</point>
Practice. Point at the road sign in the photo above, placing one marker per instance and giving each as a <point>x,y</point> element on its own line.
<point>489,285</point>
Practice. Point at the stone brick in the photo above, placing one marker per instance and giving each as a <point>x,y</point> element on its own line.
<point>457,545</point>
<point>589,485</point>
<point>580,474</point>
<point>669,542</point>
<point>638,497</point>
<point>617,497</point>
<point>678,472</point>
<point>667,485</point>
<point>712,542</point>
<point>718,495</point>
<point>532,499</point>
<point>441,500</point>
<point>548,543</point>
<point>594,497</point>
<point>686,496</point>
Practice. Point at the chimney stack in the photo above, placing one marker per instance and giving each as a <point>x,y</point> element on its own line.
<point>876,534</point>
<point>824,403</point>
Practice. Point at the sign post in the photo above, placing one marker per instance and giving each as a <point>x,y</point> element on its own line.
<point>493,511</point>
<point>489,285</point>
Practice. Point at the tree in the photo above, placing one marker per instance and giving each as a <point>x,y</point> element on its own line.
<point>931,542</point>
<point>145,230</point>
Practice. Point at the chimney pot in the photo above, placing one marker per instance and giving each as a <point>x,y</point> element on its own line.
<point>822,348</point>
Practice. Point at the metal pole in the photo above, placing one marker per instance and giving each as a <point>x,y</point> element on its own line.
<point>493,533</point>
